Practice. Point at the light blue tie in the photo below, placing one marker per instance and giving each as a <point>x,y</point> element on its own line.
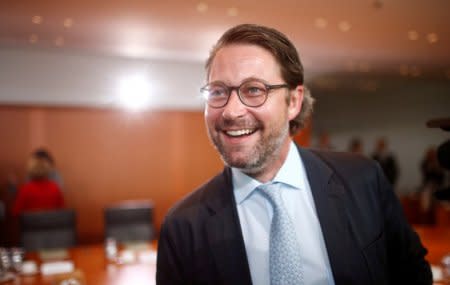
<point>285,261</point>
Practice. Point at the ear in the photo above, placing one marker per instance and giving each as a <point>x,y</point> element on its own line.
<point>295,102</point>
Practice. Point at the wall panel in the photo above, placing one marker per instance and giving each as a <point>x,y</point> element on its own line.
<point>106,156</point>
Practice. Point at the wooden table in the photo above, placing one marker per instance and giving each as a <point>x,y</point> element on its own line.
<point>90,261</point>
<point>436,240</point>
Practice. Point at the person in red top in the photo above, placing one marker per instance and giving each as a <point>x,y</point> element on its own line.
<point>39,193</point>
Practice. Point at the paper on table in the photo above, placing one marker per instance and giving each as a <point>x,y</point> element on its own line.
<point>127,256</point>
<point>56,267</point>
<point>147,256</point>
<point>437,273</point>
<point>29,267</point>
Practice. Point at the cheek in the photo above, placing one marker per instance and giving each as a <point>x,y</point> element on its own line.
<point>272,113</point>
<point>211,115</point>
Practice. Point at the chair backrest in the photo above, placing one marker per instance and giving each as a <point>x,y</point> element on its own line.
<point>2,211</point>
<point>48,229</point>
<point>130,221</point>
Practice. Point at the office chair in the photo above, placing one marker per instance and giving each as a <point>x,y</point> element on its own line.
<point>130,221</point>
<point>48,229</point>
<point>2,211</point>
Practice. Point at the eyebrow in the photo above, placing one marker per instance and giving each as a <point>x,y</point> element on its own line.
<point>243,81</point>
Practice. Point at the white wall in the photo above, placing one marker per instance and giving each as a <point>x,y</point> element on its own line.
<point>61,78</point>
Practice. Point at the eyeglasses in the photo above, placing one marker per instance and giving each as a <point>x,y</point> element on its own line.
<point>252,93</point>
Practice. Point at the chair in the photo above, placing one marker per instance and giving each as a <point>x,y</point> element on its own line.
<point>48,229</point>
<point>130,221</point>
<point>2,211</point>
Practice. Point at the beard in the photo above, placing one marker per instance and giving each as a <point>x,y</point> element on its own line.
<point>251,160</point>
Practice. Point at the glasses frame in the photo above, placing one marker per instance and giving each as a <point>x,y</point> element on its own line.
<point>230,89</point>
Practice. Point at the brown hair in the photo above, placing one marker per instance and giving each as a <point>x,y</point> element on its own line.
<point>285,54</point>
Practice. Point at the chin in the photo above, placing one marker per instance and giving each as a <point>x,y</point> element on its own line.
<point>247,163</point>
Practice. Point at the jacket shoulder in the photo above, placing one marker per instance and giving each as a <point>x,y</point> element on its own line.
<point>194,204</point>
<point>347,164</point>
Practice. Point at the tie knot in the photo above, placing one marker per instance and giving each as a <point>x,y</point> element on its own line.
<point>271,191</point>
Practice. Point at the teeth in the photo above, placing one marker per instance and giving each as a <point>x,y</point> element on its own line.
<point>237,133</point>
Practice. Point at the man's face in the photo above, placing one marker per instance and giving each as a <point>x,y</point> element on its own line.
<point>254,139</point>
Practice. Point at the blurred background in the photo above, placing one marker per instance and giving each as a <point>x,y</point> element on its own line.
<point>111,89</point>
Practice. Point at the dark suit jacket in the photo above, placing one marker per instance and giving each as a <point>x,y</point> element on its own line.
<point>367,237</point>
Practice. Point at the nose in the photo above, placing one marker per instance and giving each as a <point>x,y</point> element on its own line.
<point>234,107</point>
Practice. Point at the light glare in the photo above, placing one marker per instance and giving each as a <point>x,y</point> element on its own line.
<point>134,92</point>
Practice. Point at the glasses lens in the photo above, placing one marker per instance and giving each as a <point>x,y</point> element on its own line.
<point>253,93</point>
<point>215,94</point>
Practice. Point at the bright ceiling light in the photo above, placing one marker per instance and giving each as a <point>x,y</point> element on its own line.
<point>432,38</point>
<point>202,7</point>
<point>68,22</point>
<point>413,35</point>
<point>320,23</point>
<point>134,92</point>
<point>36,19</point>
<point>344,26</point>
<point>232,12</point>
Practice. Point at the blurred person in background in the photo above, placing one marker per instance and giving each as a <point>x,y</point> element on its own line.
<point>433,173</point>
<point>39,192</point>
<point>432,180</point>
<point>324,142</point>
<point>387,161</point>
<point>53,173</point>
<point>356,146</point>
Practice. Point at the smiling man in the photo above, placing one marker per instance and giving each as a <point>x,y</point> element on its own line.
<point>278,213</point>
<point>251,128</point>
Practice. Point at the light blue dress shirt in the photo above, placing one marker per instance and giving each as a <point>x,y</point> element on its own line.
<point>255,215</point>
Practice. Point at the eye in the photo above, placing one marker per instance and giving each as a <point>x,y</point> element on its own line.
<point>253,89</point>
<point>217,91</point>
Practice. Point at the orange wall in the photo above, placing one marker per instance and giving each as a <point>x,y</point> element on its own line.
<point>106,156</point>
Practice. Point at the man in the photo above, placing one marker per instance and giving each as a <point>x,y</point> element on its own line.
<point>386,160</point>
<point>344,225</point>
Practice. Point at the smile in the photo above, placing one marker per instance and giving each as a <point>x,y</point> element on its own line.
<point>238,133</point>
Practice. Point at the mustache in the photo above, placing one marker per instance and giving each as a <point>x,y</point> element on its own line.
<point>240,123</point>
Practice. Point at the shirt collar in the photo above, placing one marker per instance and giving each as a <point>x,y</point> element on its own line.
<point>291,173</point>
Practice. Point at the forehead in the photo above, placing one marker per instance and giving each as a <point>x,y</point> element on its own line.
<point>237,62</point>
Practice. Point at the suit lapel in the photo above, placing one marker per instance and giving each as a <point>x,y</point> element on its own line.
<point>225,236</point>
<point>328,195</point>
<point>226,240</point>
